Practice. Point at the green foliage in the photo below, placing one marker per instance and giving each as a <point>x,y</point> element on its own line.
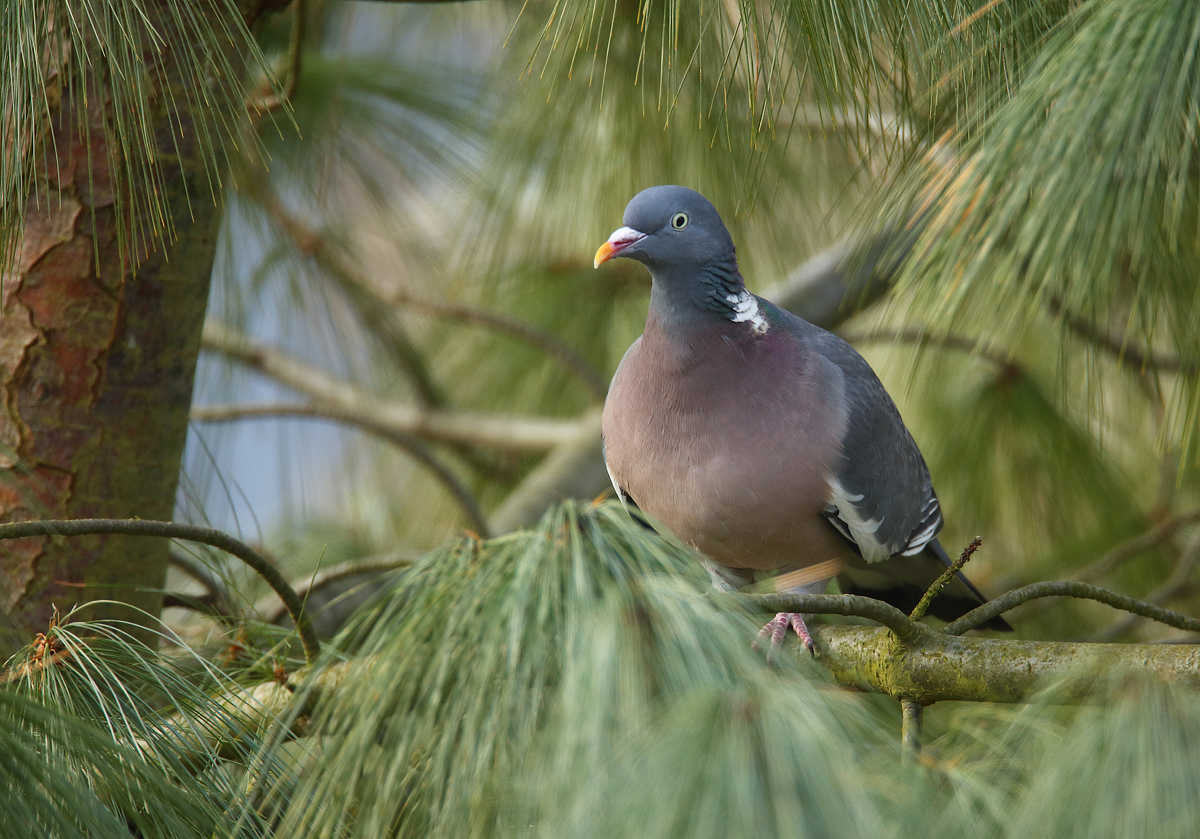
<point>55,56</point>
<point>570,680</point>
<point>500,681</point>
<point>1141,749</point>
<point>101,735</point>
<point>1078,193</point>
<point>573,680</point>
<point>62,777</point>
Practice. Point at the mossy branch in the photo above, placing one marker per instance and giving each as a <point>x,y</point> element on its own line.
<point>939,667</point>
<point>908,660</point>
<point>192,533</point>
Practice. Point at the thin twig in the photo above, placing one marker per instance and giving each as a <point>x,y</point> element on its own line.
<point>551,344</point>
<point>941,582</point>
<point>205,604</point>
<point>193,533</point>
<point>1138,360</point>
<point>216,593</point>
<point>850,605</point>
<point>273,613</point>
<point>1127,550</point>
<point>925,338</point>
<point>1069,588</point>
<point>1178,581</point>
<point>216,602</point>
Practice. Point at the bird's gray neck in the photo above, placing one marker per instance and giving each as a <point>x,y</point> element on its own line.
<point>694,299</point>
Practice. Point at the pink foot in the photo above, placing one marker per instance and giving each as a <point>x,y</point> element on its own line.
<point>778,626</point>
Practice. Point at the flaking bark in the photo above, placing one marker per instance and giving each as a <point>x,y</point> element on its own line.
<point>99,335</point>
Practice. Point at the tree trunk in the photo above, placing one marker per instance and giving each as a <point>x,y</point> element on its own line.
<point>97,359</point>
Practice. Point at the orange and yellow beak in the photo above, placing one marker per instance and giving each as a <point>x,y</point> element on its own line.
<point>622,240</point>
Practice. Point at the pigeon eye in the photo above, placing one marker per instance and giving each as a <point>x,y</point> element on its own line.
<point>679,221</point>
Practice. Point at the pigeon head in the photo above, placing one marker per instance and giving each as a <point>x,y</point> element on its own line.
<point>676,233</point>
<point>670,229</point>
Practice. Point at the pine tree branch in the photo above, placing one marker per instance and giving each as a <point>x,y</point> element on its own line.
<point>1127,550</point>
<point>931,668</point>
<point>1180,579</point>
<point>1140,361</point>
<point>925,338</point>
<point>908,630</point>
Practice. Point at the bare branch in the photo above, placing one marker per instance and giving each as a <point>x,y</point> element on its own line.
<point>506,433</point>
<point>215,602</point>
<point>1138,544</point>
<point>171,530</point>
<point>1069,588</point>
<point>1179,580</point>
<point>198,571</point>
<point>926,338</point>
<point>838,282</point>
<point>554,346</point>
<point>912,714</point>
<point>408,442</point>
<point>940,583</point>
<point>851,605</point>
<point>205,604</point>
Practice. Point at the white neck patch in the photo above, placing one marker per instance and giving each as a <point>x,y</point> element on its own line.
<point>746,308</point>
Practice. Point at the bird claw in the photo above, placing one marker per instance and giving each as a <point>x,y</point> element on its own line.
<point>777,629</point>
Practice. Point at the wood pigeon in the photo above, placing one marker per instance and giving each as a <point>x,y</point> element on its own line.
<point>765,442</point>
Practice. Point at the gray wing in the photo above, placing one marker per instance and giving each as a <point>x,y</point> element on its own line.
<point>882,497</point>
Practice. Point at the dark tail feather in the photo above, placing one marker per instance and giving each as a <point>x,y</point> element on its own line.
<point>902,580</point>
